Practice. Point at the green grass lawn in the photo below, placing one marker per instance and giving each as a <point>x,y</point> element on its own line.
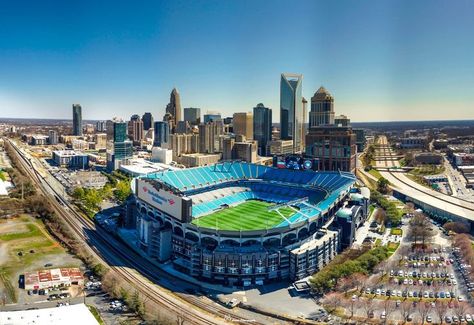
<point>375,173</point>
<point>396,231</point>
<point>250,215</point>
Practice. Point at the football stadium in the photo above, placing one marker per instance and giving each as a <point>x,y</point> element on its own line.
<point>244,224</point>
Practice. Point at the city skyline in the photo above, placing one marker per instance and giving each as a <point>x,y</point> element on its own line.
<point>398,63</point>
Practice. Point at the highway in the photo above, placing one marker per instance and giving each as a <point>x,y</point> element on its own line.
<point>456,206</point>
<point>134,269</point>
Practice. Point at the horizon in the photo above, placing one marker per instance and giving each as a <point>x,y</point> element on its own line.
<point>403,62</point>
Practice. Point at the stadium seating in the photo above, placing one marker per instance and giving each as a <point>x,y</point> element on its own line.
<point>234,182</point>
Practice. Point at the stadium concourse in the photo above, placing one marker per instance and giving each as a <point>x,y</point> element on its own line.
<point>241,223</point>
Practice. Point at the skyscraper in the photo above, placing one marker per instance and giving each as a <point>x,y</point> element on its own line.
<point>162,134</point>
<point>262,127</point>
<point>209,137</point>
<point>322,108</point>
<point>121,148</point>
<point>192,115</point>
<point>174,106</point>
<point>243,124</point>
<point>135,129</point>
<point>147,119</point>
<point>76,119</point>
<point>291,108</point>
<point>212,117</point>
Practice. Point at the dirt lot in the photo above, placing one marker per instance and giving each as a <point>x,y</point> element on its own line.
<point>25,245</point>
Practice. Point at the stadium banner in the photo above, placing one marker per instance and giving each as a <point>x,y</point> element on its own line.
<point>162,200</point>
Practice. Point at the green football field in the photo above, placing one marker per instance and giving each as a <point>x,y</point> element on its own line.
<point>249,215</point>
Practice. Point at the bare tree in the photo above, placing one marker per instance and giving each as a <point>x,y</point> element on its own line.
<point>389,307</point>
<point>461,308</point>
<point>424,309</point>
<point>332,300</point>
<point>368,305</point>
<point>441,310</point>
<point>406,309</point>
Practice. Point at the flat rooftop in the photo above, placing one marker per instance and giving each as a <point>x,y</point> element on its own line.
<point>72,315</point>
<point>141,167</point>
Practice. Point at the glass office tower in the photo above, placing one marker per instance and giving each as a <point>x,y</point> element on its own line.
<point>291,109</point>
<point>262,127</point>
<point>162,134</point>
<point>76,119</point>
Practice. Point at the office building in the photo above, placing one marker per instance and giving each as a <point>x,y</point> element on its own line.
<point>304,129</point>
<point>209,137</point>
<point>262,127</point>
<point>162,134</point>
<point>192,115</point>
<point>100,140</point>
<point>212,117</point>
<point>239,149</point>
<point>184,144</point>
<point>183,127</point>
<point>71,159</point>
<point>101,126</point>
<point>164,156</point>
<point>322,108</point>
<point>228,120</point>
<point>174,107</point>
<point>342,120</point>
<point>360,139</point>
<point>135,129</point>
<point>76,119</point>
<point>120,149</point>
<point>334,146</point>
<point>243,124</point>
<point>53,137</point>
<point>291,109</point>
<point>280,147</point>
<point>147,119</point>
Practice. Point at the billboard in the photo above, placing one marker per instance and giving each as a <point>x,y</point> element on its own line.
<point>295,162</point>
<point>164,200</point>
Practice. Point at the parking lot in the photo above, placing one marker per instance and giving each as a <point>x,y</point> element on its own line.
<point>428,285</point>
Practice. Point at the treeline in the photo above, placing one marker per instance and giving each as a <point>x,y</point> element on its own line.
<point>364,262</point>
<point>392,213</point>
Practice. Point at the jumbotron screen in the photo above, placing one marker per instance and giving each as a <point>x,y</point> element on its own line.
<point>295,162</point>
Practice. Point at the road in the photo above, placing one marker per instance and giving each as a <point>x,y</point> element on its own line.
<point>136,270</point>
<point>399,181</point>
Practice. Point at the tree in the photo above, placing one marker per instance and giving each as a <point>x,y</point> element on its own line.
<point>406,309</point>
<point>332,301</point>
<point>122,190</point>
<point>461,308</point>
<point>457,227</point>
<point>420,229</point>
<point>389,307</point>
<point>368,305</point>
<point>424,309</point>
<point>441,310</point>
<point>382,185</point>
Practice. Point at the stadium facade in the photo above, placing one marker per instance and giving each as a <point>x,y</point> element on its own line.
<point>206,220</point>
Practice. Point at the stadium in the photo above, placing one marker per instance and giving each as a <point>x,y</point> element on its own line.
<point>242,224</point>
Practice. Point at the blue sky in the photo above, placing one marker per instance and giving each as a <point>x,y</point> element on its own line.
<point>382,60</point>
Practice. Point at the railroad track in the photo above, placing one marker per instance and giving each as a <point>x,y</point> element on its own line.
<point>179,306</point>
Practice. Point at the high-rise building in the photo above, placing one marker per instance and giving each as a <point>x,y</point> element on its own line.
<point>243,124</point>
<point>120,150</point>
<point>162,134</point>
<point>135,129</point>
<point>291,109</point>
<point>322,108</point>
<point>228,120</point>
<point>304,129</point>
<point>262,127</point>
<point>334,147</point>
<point>209,137</point>
<point>100,141</point>
<point>101,126</point>
<point>183,127</point>
<point>184,144</point>
<point>174,107</point>
<point>192,115</point>
<point>76,120</point>
<point>53,137</point>
<point>212,117</point>
<point>342,120</point>
<point>147,119</point>
<point>239,149</point>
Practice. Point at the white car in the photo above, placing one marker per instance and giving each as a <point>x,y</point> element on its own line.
<point>468,318</point>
